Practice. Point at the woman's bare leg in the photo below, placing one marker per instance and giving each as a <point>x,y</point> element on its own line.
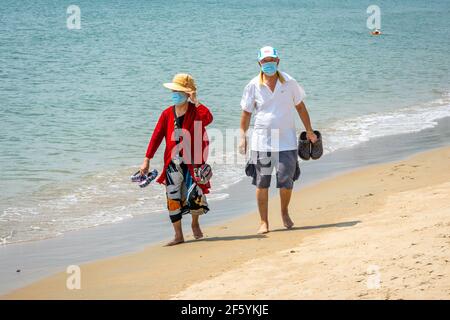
<point>178,234</point>
<point>196,227</point>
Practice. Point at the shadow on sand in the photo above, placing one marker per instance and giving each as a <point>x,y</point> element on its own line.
<point>322,226</point>
<point>262,236</point>
<point>230,238</point>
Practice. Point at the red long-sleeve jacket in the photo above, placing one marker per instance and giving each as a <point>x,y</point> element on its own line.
<point>194,123</point>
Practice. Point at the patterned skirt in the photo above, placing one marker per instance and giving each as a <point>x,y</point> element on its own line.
<point>183,194</point>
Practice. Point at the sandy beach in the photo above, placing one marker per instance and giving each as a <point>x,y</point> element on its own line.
<point>380,232</point>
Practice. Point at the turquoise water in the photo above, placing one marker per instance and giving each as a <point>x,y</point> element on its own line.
<point>77,107</point>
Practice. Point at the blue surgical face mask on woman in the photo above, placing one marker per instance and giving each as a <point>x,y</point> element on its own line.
<point>178,97</point>
<point>269,68</point>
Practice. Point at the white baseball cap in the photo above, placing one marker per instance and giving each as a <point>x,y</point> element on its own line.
<point>267,51</point>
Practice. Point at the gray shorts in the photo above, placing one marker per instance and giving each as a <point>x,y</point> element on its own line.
<point>285,164</point>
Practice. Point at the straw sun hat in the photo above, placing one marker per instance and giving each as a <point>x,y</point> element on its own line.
<point>182,82</point>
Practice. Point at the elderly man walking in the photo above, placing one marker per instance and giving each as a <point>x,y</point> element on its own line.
<point>273,97</point>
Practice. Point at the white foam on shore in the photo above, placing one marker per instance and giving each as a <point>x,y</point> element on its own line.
<point>347,133</point>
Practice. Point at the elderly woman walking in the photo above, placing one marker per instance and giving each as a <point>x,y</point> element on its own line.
<point>182,125</point>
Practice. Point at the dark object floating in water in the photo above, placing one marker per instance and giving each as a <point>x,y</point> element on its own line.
<point>376,32</point>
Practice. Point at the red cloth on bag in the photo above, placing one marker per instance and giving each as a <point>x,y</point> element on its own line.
<point>165,129</point>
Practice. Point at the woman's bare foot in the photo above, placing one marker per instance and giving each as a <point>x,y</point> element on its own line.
<point>198,234</point>
<point>287,221</point>
<point>263,228</point>
<point>175,241</point>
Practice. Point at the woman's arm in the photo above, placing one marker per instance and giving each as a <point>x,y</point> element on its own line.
<point>154,143</point>
<point>157,137</point>
<point>204,114</point>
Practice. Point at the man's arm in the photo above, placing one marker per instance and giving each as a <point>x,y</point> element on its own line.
<point>245,123</point>
<point>304,116</point>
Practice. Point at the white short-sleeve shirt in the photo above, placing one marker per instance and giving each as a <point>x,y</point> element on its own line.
<point>274,112</point>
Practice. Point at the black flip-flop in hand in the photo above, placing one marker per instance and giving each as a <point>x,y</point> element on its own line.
<point>308,150</point>
<point>317,147</point>
<point>304,146</point>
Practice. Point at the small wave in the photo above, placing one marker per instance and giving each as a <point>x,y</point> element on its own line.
<point>218,196</point>
<point>347,133</point>
<point>95,200</point>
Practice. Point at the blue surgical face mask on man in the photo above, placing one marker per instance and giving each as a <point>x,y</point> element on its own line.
<point>269,68</point>
<point>178,97</point>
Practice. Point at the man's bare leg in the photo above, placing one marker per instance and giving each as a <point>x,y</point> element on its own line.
<point>285,196</point>
<point>196,227</point>
<point>178,234</point>
<point>262,197</point>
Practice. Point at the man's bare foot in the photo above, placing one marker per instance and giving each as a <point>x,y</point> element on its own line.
<point>263,228</point>
<point>287,221</point>
<point>175,242</point>
<point>198,234</point>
